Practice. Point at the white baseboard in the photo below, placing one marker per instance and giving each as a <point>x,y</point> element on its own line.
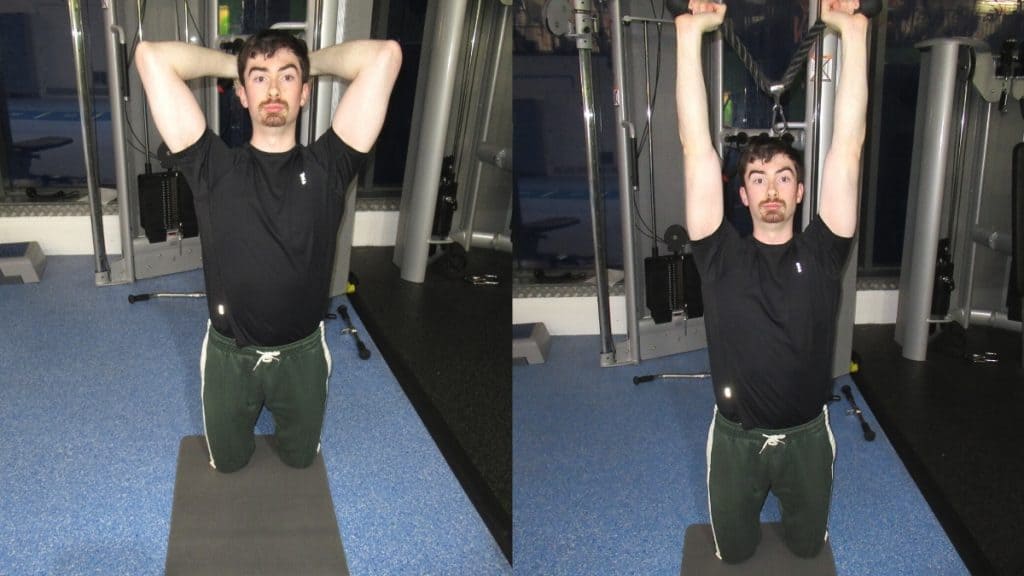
<point>876,306</point>
<point>578,315</point>
<point>72,235</point>
<point>61,235</point>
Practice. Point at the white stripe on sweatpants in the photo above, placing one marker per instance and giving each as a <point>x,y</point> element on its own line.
<point>327,383</point>
<point>711,435</point>
<point>202,391</point>
<point>832,441</point>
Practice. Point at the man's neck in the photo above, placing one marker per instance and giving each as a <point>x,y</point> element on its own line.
<point>274,139</point>
<point>774,234</point>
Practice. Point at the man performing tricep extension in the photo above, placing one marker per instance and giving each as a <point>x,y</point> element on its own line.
<point>771,300</point>
<point>268,216</point>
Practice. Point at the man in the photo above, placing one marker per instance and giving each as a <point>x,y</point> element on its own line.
<point>268,216</point>
<point>771,300</point>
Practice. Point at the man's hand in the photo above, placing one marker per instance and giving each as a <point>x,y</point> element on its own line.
<point>705,17</point>
<point>839,15</point>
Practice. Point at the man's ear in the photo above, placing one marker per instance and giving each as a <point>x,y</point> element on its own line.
<point>240,92</point>
<point>305,94</point>
<point>743,196</point>
<point>799,192</point>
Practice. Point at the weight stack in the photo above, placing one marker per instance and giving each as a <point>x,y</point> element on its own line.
<point>165,205</point>
<point>663,277</point>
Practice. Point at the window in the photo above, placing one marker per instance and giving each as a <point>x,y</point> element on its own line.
<point>551,213</point>
<point>41,156</point>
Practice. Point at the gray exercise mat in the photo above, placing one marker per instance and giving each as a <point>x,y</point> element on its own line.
<point>771,559</point>
<point>265,519</point>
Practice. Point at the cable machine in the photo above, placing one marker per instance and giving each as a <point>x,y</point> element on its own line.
<point>962,241</point>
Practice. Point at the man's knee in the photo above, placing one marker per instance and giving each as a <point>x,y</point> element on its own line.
<point>737,543</point>
<point>298,458</point>
<point>736,553</point>
<point>228,467</point>
<point>806,547</point>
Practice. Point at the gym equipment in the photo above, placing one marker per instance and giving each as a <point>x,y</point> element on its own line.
<point>531,342</point>
<point>637,380</point>
<point>133,298</point>
<point>581,28</point>
<point>466,47</point>
<point>772,557</point>
<point>165,207</point>
<point>1018,224</point>
<point>958,241</point>
<point>266,518</point>
<point>83,76</point>
<point>364,352</point>
<point>646,338</point>
<point>21,263</point>
<point>869,8</point>
<point>869,434</point>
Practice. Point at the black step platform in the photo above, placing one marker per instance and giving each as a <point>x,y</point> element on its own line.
<point>265,519</point>
<point>771,559</point>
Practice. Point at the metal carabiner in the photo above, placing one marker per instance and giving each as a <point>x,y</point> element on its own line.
<point>779,117</point>
<point>778,112</point>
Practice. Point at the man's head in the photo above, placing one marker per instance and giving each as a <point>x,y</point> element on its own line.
<point>772,180</point>
<point>266,44</point>
<point>273,76</point>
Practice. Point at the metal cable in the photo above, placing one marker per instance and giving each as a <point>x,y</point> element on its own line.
<point>796,64</point>
<point>729,33</point>
<point>800,55</point>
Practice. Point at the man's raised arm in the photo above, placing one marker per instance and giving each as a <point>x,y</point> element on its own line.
<point>841,174</point>
<point>371,68</point>
<point>164,67</point>
<point>703,171</point>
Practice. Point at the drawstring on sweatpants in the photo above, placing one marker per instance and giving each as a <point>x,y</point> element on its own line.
<point>266,358</point>
<point>772,440</point>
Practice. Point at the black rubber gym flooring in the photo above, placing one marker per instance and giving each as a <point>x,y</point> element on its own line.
<point>957,427</point>
<point>448,342</point>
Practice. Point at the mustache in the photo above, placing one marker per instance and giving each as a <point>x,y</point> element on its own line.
<point>772,201</point>
<point>274,102</point>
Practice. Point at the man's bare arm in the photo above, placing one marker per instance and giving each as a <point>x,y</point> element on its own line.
<point>841,173</point>
<point>371,68</point>
<point>164,67</point>
<point>702,167</point>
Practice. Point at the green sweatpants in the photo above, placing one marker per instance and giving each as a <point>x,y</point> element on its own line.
<point>237,382</point>
<point>795,464</point>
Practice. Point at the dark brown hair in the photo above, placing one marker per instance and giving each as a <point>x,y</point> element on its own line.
<point>764,148</point>
<point>266,44</point>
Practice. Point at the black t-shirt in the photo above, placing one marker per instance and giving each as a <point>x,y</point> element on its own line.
<point>268,224</point>
<point>770,313</point>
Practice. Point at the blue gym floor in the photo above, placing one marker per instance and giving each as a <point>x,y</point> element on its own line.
<point>608,475</point>
<point>96,394</point>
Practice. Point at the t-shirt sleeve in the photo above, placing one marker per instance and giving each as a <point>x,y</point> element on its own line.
<point>831,250</point>
<point>709,253</point>
<point>341,160</point>
<point>198,162</point>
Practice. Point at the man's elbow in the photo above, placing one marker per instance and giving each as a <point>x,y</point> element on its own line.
<point>389,57</point>
<point>143,54</point>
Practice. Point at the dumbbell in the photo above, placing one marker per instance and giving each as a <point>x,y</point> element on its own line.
<point>869,8</point>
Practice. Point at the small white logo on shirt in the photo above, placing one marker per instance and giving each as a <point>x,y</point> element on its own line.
<point>302,178</point>
<point>799,268</point>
